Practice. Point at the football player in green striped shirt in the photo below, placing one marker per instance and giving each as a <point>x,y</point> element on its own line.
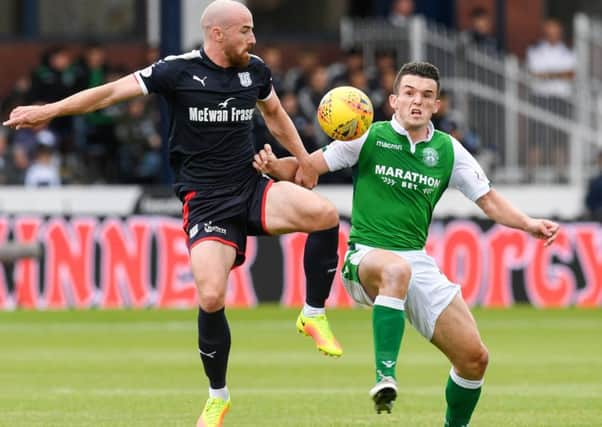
<point>401,169</point>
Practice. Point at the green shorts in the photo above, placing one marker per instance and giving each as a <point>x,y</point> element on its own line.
<point>429,293</point>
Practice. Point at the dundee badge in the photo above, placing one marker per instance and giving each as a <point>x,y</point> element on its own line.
<point>245,79</point>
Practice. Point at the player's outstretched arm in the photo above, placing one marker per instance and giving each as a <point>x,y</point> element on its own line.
<point>34,116</point>
<point>500,210</point>
<point>282,128</point>
<point>285,168</point>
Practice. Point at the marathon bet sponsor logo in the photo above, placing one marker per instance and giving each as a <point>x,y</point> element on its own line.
<point>210,228</point>
<point>388,145</point>
<point>409,179</point>
<point>430,157</point>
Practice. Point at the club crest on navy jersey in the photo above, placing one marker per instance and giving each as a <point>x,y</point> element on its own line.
<point>245,79</point>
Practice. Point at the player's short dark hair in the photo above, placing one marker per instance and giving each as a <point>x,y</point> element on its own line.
<point>421,69</point>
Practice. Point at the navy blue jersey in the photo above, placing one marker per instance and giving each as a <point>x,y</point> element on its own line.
<point>210,112</point>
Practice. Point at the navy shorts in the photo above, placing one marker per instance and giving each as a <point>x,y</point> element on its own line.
<point>228,219</point>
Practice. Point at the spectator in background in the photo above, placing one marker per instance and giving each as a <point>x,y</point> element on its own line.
<point>401,12</point>
<point>358,79</point>
<point>303,125</point>
<point>552,63</point>
<point>26,140</point>
<point>298,77</point>
<point>18,95</point>
<point>17,166</point>
<point>54,79</point>
<point>451,121</point>
<point>340,72</point>
<point>384,62</point>
<point>272,56</point>
<point>310,97</point>
<point>44,170</point>
<point>139,145</point>
<point>4,156</point>
<point>96,133</point>
<point>593,197</point>
<point>380,97</point>
<point>480,32</point>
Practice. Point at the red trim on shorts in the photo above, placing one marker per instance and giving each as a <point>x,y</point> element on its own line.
<point>264,199</point>
<point>217,239</point>
<point>186,209</point>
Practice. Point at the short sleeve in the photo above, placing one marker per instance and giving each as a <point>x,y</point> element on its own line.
<point>159,77</point>
<point>467,175</point>
<point>343,154</point>
<point>265,89</point>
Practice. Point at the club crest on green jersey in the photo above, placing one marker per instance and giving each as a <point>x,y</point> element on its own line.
<point>430,157</point>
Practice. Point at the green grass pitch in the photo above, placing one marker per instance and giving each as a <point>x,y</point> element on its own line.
<point>141,368</point>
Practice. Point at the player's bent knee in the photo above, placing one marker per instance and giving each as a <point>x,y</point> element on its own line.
<point>477,362</point>
<point>395,278</point>
<point>323,215</point>
<point>327,216</point>
<point>331,216</point>
<point>483,360</point>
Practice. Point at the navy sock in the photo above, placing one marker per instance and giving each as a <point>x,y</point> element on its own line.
<point>320,261</point>
<point>214,345</point>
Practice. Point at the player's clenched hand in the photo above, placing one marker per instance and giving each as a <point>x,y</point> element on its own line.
<point>306,175</point>
<point>543,229</point>
<point>264,160</point>
<point>31,116</point>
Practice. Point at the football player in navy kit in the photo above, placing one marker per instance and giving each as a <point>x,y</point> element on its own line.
<point>212,94</point>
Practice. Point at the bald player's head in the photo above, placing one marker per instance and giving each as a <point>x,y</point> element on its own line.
<point>228,33</point>
<point>222,14</point>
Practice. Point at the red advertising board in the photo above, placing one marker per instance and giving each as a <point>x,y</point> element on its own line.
<point>142,261</point>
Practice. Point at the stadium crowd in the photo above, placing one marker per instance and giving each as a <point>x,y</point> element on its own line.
<point>122,144</point>
<point>116,145</point>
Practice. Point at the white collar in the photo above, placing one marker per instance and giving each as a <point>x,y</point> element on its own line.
<point>397,127</point>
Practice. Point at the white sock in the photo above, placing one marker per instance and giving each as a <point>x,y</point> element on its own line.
<point>463,382</point>
<point>391,302</point>
<point>309,311</point>
<point>222,393</point>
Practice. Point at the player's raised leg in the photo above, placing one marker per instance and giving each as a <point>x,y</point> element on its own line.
<point>292,208</point>
<point>211,262</point>
<point>457,336</point>
<point>385,278</point>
